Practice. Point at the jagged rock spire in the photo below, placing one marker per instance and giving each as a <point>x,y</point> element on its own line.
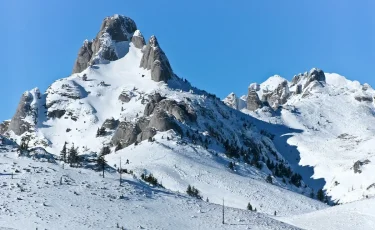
<point>154,59</point>
<point>138,40</point>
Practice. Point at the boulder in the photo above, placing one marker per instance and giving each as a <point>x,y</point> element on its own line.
<point>154,59</point>
<point>162,122</point>
<point>126,134</point>
<point>138,40</point>
<point>124,97</point>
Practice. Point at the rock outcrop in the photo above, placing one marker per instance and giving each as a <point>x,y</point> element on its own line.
<point>4,126</point>
<point>253,102</point>
<point>154,59</point>
<point>27,111</point>
<point>84,57</point>
<point>110,124</point>
<point>103,49</point>
<point>277,97</point>
<point>138,40</point>
<point>357,167</point>
<point>126,134</point>
<point>315,75</point>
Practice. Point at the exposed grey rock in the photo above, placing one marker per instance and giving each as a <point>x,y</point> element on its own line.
<point>253,102</point>
<point>18,125</point>
<point>110,123</point>
<point>154,59</point>
<point>142,123</point>
<point>180,111</point>
<point>156,97</point>
<point>149,108</point>
<point>365,98</point>
<point>277,97</point>
<point>357,167</point>
<point>151,105</point>
<point>146,134</point>
<point>162,122</point>
<point>124,97</point>
<point>126,134</point>
<point>298,89</point>
<point>84,57</point>
<point>138,40</point>
<point>56,113</point>
<point>4,126</point>
<point>315,75</point>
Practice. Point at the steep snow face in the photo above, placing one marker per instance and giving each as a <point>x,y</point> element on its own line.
<point>331,125</point>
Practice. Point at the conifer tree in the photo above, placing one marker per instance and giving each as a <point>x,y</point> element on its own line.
<point>63,153</point>
<point>249,207</point>
<point>320,195</point>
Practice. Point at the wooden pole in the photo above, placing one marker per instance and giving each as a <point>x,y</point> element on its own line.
<point>223,211</point>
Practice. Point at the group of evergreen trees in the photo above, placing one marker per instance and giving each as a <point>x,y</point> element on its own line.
<point>70,156</point>
<point>100,132</point>
<point>250,207</point>
<point>150,179</point>
<point>193,192</point>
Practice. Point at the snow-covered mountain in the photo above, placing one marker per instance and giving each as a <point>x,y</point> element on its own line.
<point>124,101</point>
<point>330,121</point>
<point>124,105</point>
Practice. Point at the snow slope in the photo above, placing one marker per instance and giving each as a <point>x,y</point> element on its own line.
<point>356,215</point>
<point>35,198</point>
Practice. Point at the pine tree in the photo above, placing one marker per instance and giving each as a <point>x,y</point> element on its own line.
<point>73,156</point>
<point>320,195</point>
<point>101,162</point>
<point>63,153</point>
<point>249,207</point>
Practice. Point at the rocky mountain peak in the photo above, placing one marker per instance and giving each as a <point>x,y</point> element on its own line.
<point>108,44</point>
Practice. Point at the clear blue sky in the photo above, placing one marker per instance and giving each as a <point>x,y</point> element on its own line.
<point>220,46</point>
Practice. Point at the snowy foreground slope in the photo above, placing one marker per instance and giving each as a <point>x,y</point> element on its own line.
<point>330,121</point>
<point>356,215</point>
<point>124,103</point>
<point>35,198</point>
